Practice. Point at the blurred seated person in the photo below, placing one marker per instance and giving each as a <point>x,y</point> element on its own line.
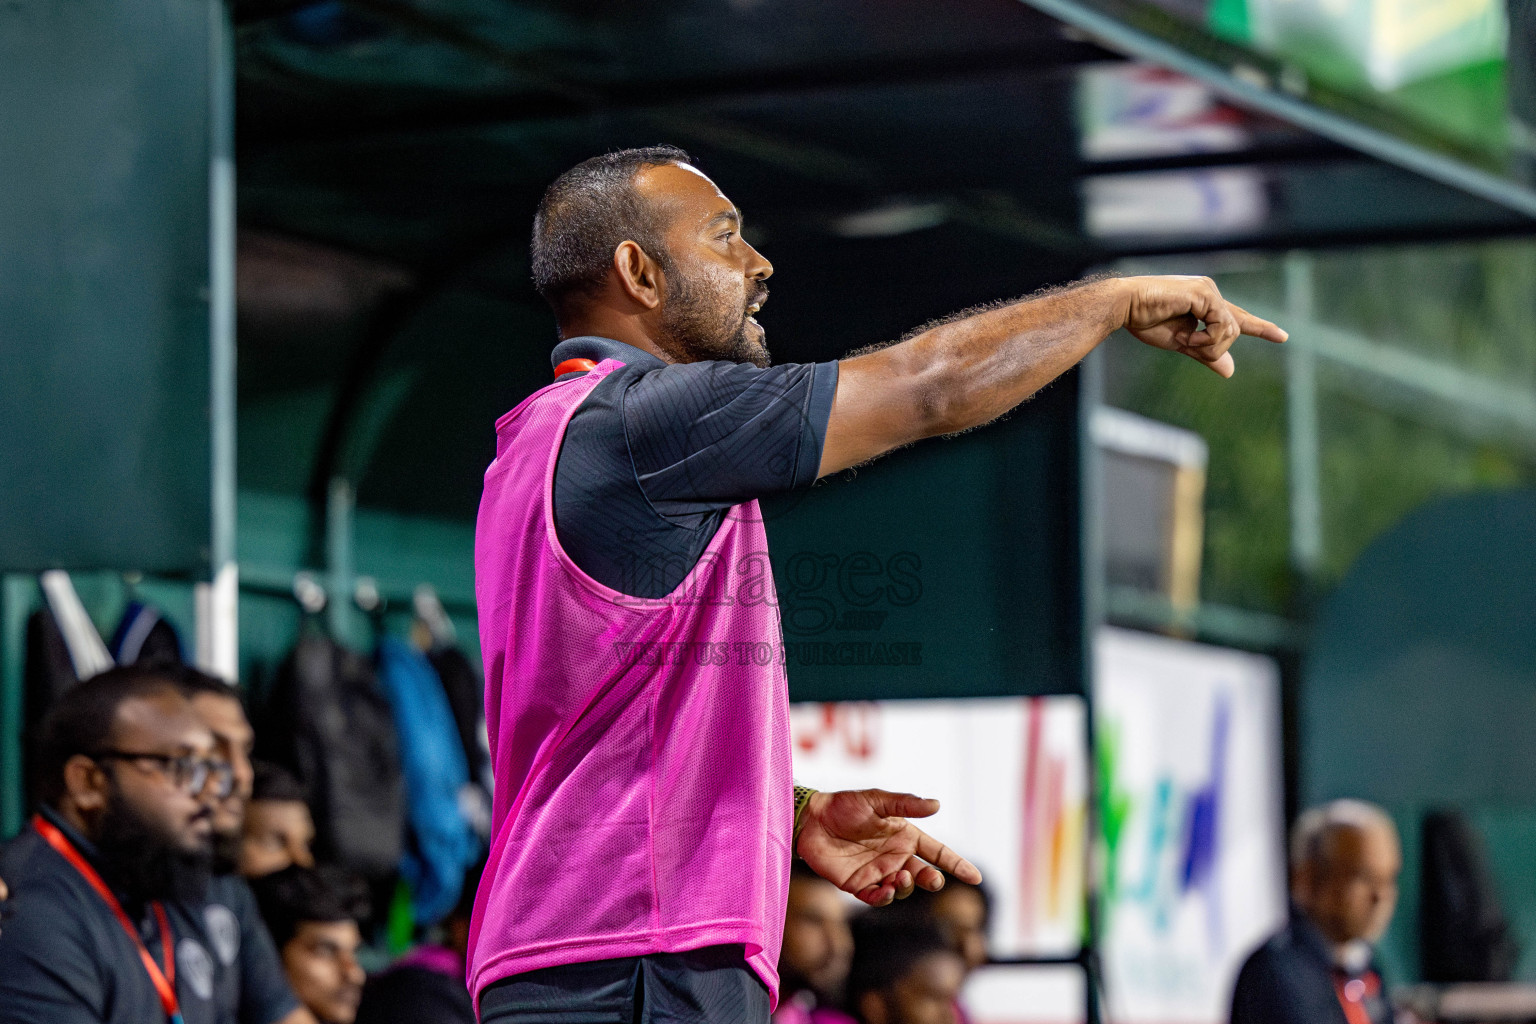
<point>313,914</point>
<point>961,912</point>
<point>279,829</point>
<point>217,705</point>
<point>1320,968</point>
<point>427,984</point>
<point>109,918</point>
<point>817,951</point>
<point>903,974</point>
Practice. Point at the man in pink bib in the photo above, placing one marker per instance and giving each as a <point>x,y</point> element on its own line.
<point>645,819</point>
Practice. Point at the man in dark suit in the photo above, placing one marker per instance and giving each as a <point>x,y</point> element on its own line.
<point>1320,968</point>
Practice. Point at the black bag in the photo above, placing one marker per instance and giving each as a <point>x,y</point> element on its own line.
<point>466,697</point>
<point>1464,935</point>
<point>327,721</point>
<point>48,675</point>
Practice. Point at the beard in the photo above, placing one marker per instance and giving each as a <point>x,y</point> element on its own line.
<point>143,863</point>
<point>226,853</point>
<point>701,329</point>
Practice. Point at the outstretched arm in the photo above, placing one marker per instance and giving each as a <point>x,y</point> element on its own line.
<point>862,842</point>
<point>970,371</point>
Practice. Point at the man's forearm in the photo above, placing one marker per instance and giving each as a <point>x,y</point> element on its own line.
<point>964,372</point>
<point>970,370</point>
<point>987,363</point>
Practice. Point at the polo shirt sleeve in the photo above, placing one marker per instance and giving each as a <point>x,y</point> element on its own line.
<point>48,967</point>
<point>706,436</point>
<point>265,995</point>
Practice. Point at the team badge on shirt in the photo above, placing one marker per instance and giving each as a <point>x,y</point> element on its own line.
<point>223,932</point>
<point>195,966</point>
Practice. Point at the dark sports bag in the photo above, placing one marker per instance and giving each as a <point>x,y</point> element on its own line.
<point>1464,934</point>
<point>327,721</point>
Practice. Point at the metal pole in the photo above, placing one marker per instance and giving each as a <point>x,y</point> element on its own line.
<point>16,600</point>
<point>1091,527</point>
<point>218,609</point>
<point>1302,439</point>
<point>338,557</point>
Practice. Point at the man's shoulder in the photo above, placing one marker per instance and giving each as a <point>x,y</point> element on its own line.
<point>232,891</point>
<point>35,873</point>
<point>1282,958</point>
<point>54,929</point>
<point>1284,944</point>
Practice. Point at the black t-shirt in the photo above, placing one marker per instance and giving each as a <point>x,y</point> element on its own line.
<point>658,451</point>
<point>64,959</point>
<point>415,995</point>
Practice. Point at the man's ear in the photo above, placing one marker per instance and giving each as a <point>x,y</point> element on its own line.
<point>85,784</point>
<point>639,275</point>
<point>872,1009</point>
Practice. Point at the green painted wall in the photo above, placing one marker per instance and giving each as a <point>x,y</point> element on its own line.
<point>1420,690</point>
<point>104,283</point>
<point>960,552</point>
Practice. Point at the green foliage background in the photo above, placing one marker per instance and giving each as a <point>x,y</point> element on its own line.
<point>1384,451</point>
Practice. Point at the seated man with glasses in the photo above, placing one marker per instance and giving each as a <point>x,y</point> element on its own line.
<point>108,919</point>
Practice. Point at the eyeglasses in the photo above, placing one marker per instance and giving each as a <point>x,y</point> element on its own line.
<point>189,774</point>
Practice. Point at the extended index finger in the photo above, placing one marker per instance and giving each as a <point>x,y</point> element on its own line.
<point>1256,326</point>
<point>945,859</point>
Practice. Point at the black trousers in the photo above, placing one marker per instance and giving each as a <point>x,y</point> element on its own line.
<point>703,986</point>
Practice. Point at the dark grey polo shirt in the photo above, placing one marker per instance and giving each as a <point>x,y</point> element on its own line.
<point>64,959</point>
<point>658,451</point>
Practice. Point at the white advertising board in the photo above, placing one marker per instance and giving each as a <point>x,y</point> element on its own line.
<point>1011,776</point>
<point>1189,766</point>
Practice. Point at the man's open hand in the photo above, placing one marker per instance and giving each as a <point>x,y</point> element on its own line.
<point>1166,313</point>
<point>862,842</point>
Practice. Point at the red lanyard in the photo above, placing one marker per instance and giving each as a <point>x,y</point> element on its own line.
<point>1353,992</point>
<point>575,366</point>
<point>164,981</point>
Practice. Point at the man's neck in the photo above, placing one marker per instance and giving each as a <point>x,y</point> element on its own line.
<point>1350,955</point>
<point>71,816</point>
<point>628,329</point>
<point>1353,956</point>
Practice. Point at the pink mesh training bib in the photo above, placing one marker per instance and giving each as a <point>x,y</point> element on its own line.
<point>641,746</point>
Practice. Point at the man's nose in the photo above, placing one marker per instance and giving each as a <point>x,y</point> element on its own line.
<point>758,267</point>
<point>209,795</point>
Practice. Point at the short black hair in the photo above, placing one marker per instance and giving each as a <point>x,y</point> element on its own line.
<point>296,895</point>
<point>586,213</point>
<point>884,952</point>
<point>920,906</point>
<point>190,678</point>
<point>82,719</point>
<point>274,782</point>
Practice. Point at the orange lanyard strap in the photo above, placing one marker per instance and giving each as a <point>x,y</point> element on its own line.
<point>164,981</point>
<point>1353,992</point>
<point>575,366</point>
